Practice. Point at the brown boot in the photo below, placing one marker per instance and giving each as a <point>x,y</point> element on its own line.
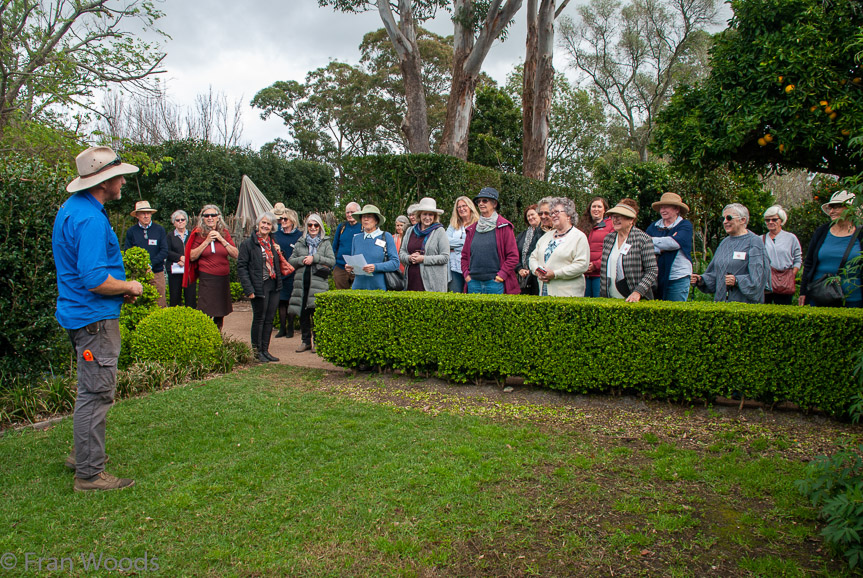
<point>102,481</point>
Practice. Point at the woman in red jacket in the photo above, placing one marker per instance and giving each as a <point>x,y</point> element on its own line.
<point>595,226</point>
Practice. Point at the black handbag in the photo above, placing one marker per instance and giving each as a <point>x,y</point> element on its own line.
<point>395,280</point>
<point>323,271</point>
<point>826,290</point>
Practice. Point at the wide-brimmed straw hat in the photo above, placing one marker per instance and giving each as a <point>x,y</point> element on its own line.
<point>427,205</point>
<point>97,165</point>
<point>142,207</point>
<point>371,210</point>
<point>623,210</point>
<point>839,198</point>
<point>279,209</point>
<point>672,199</point>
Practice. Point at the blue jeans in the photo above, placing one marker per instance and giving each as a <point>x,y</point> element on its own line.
<point>490,287</point>
<point>591,286</point>
<point>678,290</point>
<point>456,283</point>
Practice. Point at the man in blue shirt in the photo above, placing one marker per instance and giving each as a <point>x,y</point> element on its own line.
<point>343,239</point>
<point>91,283</point>
<point>151,237</point>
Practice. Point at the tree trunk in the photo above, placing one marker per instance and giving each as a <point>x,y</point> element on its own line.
<point>404,39</point>
<point>469,52</point>
<point>535,143</point>
<point>527,88</point>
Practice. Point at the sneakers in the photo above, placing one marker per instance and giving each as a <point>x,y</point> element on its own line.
<point>70,460</point>
<point>102,481</point>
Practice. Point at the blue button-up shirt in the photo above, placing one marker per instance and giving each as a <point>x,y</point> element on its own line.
<point>86,252</point>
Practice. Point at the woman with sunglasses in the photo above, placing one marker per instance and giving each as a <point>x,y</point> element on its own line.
<point>829,244</point>
<point>176,262</point>
<point>313,258</point>
<point>207,251</point>
<point>286,236</point>
<point>739,269</point>
<point>784,255</point>
<point>490,255</point>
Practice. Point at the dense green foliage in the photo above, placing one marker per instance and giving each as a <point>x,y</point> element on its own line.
<point>31,343</point>
<point>784,89</point>
<point>180,334</point>
<point>665,350</point>
<point>393,182</point>
<point>136,261</point>
<point>195,173</point>
<point>495,130</point>
<point>835,485</point>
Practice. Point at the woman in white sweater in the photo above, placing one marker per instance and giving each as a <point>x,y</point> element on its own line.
<point>562,255</point>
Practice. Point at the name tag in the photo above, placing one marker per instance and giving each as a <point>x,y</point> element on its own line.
<point>381,243</point>
<point>152,242</point>
<point>739,255</point>
<point>625,248</point>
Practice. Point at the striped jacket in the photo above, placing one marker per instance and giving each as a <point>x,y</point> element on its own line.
<point>639,264</point>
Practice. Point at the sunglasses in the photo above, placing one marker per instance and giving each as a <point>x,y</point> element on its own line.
<point>284,219</point>
<point>179,220</point>
<point>835,206</point>
<point>484,200</point>
<point>771,220</point>
<point>313,226</point>
<point>544,214</point>
<point>210,215</point>
<point>727,218</point>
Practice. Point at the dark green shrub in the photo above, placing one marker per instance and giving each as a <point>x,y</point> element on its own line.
<point>835,485</point>
<point>679,351</point>
<point>136,261</point>
<point>180,334</point>
<point>31,343</point>
<point>393,182</point>
<point>194,173</point>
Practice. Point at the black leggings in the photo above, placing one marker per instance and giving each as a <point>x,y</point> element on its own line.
<point>263,310</point>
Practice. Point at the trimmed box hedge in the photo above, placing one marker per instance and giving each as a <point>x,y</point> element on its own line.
<point>680,351</point>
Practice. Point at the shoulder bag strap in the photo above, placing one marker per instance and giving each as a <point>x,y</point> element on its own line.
<point>848,248</point>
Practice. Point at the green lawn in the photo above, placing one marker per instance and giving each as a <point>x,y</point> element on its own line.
<point>281,471</point>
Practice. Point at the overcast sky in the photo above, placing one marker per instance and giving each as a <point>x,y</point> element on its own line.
<point>239,48</point>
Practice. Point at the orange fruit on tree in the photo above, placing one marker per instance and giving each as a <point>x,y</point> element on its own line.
<point>782,148</point>
<point>768,137</point>
<point>833,115</point>
<point>813,108</point>
<point>762,142</point>
<point>828,109</point>
<point>845,132</point>
<point>780,78</point>
<point>789,88</point>
<point>857,80</point>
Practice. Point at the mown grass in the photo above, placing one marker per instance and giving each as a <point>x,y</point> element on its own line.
<point>270,471</point>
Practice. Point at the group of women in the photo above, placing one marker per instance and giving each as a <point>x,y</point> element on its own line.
<point>598,253</point>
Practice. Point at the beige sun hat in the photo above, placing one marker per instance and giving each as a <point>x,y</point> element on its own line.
<point>427,205</point>
<point>142,207</point>
<point>97,165</point>
<point>623,210</point>
<point>672,199</point>
<point>371,210</point>
<point>842,197</point>
<point>279,209</point>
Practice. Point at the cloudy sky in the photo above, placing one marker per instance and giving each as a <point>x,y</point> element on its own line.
<point>239,48</point>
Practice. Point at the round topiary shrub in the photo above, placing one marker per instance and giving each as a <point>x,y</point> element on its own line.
<point>179,334</point>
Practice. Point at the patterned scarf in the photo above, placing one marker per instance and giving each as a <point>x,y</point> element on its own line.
<point>528,239</point>
<point>313,242</point>
<point>486,224</point>
<point>267,249</point>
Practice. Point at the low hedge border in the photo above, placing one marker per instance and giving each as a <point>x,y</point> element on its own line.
<point>679,351</point>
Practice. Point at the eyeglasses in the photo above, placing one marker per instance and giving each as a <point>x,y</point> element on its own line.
<point>555,213</point>
<point>179,220</point>
<point>727,218</point>
<point>771,219</point>
<point>210,215</point>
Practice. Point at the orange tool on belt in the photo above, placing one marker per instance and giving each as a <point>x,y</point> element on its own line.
<point>87,355</point>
